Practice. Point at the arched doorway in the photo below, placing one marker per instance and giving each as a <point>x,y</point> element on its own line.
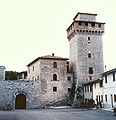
<point>20,102</point>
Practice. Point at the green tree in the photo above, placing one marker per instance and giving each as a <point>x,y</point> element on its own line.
<point>11,75</point>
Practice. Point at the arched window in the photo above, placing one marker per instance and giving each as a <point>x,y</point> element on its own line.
<point>54,65</point>
<point>54,77</point>
<point>90,70</point>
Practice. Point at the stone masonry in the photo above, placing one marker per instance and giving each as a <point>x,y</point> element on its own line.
<point>86,47</point>
<point>48,79</point>
<point>38,91</point>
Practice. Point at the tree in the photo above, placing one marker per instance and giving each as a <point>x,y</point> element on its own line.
<point>11,75</point>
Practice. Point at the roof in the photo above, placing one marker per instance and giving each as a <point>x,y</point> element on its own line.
<point>50,57</point>
<point>110,71</point>
<point>93,81</point>
<point>84,13</point>
<point>22,72</point>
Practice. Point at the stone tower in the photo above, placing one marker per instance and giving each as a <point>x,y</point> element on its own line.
<point>2,73</point>
<point>86,47</point>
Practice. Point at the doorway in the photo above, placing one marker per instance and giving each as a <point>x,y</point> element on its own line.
<point>20,102</point>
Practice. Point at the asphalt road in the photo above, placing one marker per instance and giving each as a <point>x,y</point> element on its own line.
<point>57,114</point>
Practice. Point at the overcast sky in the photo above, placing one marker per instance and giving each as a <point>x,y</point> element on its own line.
<point>32,28</point>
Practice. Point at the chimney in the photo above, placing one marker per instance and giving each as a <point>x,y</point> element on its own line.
<point>52,54</point>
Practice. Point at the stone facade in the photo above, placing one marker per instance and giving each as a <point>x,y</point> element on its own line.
<point>39,91</point>
<point>86,47</point>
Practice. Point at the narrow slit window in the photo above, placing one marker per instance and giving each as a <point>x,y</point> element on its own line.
<point>89,40</point>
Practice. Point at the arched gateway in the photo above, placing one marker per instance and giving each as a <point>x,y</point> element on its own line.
<point>20,102</point>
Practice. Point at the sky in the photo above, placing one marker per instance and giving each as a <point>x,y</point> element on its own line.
<point>33,28</point>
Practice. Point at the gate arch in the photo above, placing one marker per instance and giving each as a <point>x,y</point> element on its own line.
<point>20,101</point>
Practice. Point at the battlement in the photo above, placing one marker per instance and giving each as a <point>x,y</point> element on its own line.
<point>85,23</point>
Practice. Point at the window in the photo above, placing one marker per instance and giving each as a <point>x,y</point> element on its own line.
<point>89,40</point>
<point>69,78</point>
<point>33,68</point>
<point>114,98</point>
<point>99,25</point>
<point>105,78</point>
<point>88,88</point>
<point>113,76</point>
<point>79,23</point>
<point>95,85</point>
<point>86,24</point>
<point>97,98</point>
<point>101,83</point>
<point>106,98</point>
<point>54,89</point>
<point>38,77</point>
<point>90,70</point>
<point>68,89</point>
<point>89,54</point>
<point>92,24</point>
<point>67,66</point>
<point>90,77</point>
<point>91,88</point>
<point>54,77</point>
<point>54,65</point>
<point>85,89</point>
<point>101,98</point>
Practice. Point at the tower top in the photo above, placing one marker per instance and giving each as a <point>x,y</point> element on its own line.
<point>85,17</point>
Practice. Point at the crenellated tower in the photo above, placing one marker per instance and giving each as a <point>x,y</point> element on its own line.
<point>86,47</point>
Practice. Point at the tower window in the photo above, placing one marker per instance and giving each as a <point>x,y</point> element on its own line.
<point>89,54</point>
<point>90,70</point>
<point>68,89</point>
<point>67,66</point>
<point>54,89</point>
<point>89,40</point>
<point>54,77</point>
<point>54,65</point>
<point>69,78</point>
<point>90,77</point>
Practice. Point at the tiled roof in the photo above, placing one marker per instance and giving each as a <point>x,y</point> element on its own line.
<point>93,81</point>
<point>48,57</point>
<point>84,13</point>
<point>108,72</point>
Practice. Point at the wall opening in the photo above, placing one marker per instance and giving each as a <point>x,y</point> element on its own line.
<point>20,102</point>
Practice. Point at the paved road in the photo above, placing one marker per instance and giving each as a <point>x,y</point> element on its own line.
<point>57,114</point>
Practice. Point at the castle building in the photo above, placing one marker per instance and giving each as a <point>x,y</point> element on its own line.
<point>86,47</point>
<point>49,78</point>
